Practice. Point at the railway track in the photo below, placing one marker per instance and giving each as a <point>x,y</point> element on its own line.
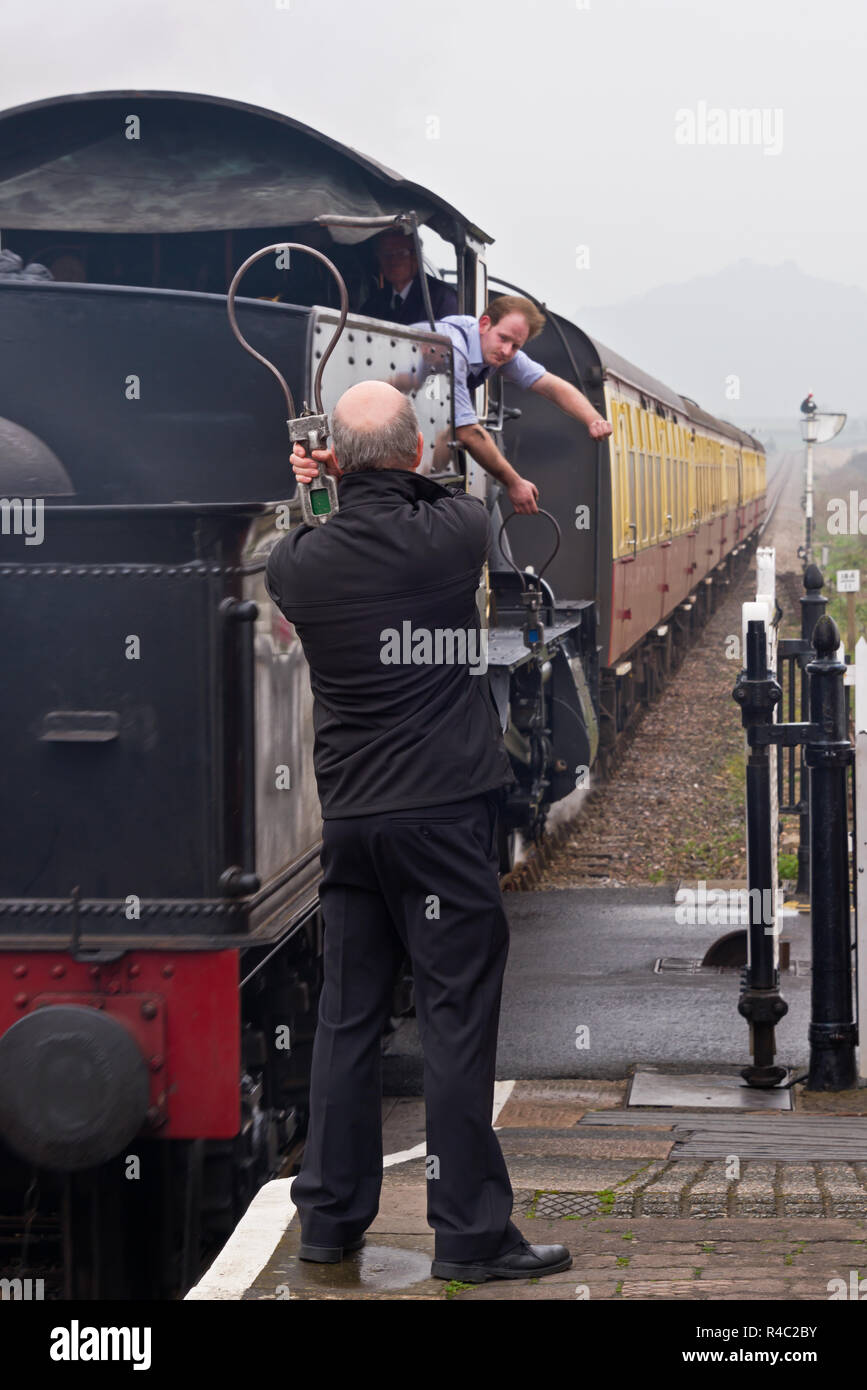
<point>671,805</point>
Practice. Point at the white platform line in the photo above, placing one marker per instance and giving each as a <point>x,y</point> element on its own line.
<point>502,1091</point>
<point>268,1217</point>
<point>251,1244</point>
<point>404,1155</point>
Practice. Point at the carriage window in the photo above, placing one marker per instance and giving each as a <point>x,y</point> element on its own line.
<point>630,482</point>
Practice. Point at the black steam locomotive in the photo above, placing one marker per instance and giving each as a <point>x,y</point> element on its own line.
<point>159,929</point>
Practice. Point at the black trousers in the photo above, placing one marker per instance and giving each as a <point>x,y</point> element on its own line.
<point>425,881</point>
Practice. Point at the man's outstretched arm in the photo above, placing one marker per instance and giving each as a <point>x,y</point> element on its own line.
<point>479,444</point>
<point>572,402</point>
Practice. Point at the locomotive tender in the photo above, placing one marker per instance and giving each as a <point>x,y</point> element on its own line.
<point>159,931</point>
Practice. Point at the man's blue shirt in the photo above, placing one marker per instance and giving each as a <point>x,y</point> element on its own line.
<point>463,330</point>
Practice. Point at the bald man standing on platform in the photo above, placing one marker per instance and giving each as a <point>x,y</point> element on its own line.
<point>410,764</point>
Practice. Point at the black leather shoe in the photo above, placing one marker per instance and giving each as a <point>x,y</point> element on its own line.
<point>328,1254</point>
<point>524,1262</point>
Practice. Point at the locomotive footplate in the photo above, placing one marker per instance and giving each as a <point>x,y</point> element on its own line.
<point>507,649</point>
<point>544,702</point>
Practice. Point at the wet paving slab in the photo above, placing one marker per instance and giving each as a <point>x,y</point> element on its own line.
<point>617,1259</point>
<point>643,1216</point>
<point>396,1265</point>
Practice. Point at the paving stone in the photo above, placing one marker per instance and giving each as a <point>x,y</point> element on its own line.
<point>809,1259</point>
<point>522,1114</point>
<point>546,1291</point>
<point>745,1273</point>
<point>664,1196</point>
<point>710,1195</point>
<point>582,1144</point>
<point>398,1263</point>
<point>665,1259</point>
<point>634,1250</point>
<point>410,1173</point>
<point>586,1266</point>
<point>403,1123</point>
<point>628,1194</point>
<point>739,1297</point>
<point>754,1193</point>
<point>832,1102</point>
<point>845,1193</point>
<point>600,1095</point>
<point>563,1175</point>
<point>698,1288</point>
<point>800,1190</point>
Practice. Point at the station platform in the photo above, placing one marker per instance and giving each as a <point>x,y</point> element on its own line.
<point>642,1197</point>
<point>629,1134</point>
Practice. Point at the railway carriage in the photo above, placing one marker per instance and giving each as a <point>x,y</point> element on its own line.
<point>159,928</point>
<point>656,519</point>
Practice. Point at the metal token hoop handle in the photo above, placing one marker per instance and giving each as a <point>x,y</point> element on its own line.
<point>520,573</point>
<point>344,310</point>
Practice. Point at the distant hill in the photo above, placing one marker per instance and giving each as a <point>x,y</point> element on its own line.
<point>781,332</point>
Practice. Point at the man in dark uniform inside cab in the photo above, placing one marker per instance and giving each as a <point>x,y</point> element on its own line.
<point>400,298</point>
<point>410,763</point>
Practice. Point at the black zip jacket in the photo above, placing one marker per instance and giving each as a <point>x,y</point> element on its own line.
<point>392,574</point>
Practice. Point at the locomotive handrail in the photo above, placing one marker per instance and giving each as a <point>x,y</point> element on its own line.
<point>344,310</point>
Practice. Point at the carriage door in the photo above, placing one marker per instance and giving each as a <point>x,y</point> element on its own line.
<point>693,515</point>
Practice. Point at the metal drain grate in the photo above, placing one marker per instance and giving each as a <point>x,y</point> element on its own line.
<point>684,965</point>
<point>563,1204</point>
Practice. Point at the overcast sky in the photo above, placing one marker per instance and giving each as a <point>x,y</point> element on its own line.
<point>556,125</point>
